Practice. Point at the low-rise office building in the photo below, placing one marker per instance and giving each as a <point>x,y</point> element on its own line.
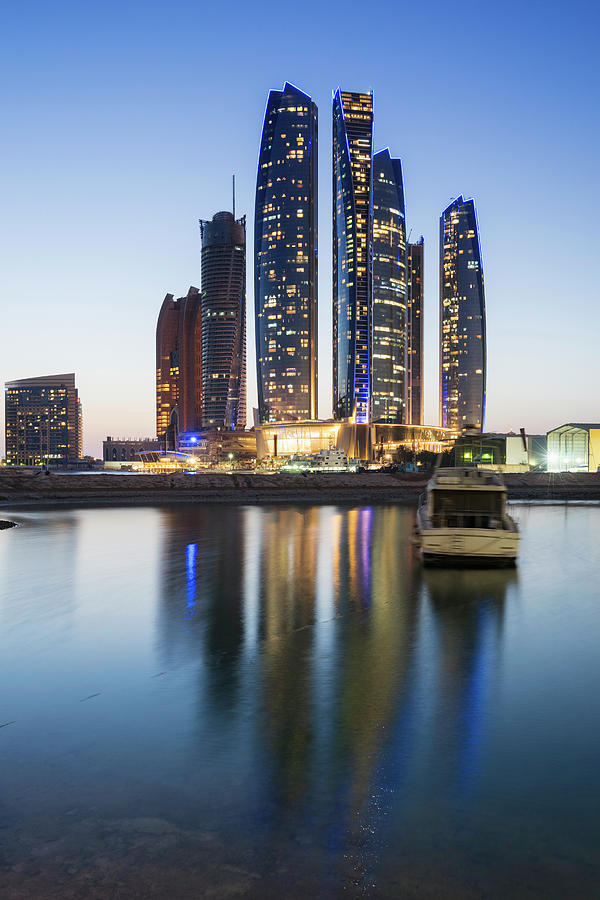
<point>508,452</point>
<point>214,446</point>
<point>117,452</point>
<point>357,440</point>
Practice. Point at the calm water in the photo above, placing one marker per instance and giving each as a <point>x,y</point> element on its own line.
<point>270,702</point>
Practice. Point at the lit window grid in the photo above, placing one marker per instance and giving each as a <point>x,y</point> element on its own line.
<point>389,312</point>
<point>462,319</point>
<point>286,264</point>
<point>43,422</point>
<point>352,149</point>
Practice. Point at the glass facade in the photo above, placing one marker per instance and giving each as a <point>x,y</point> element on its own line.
<point>352,183</point>
<point>388,273</point>
<point>414,354</point>
<point>178,366</point>
<point>223,322</point>
<point>43,421</point>
<point>462,319</point>
<point>285,246</point>
<point>357,440</point>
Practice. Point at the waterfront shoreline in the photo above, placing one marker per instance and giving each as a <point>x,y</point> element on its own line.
<point>34,490</point>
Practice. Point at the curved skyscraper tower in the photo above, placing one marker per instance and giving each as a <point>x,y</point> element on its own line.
<point>352,180</point>
<point>285,265</point>
<point>462,319</point>
<point>414,332</point>
<point>224,322</point>
<point>388,273</point>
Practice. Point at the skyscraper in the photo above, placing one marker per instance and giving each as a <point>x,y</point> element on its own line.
<point>388,273</point>
<point>285,248</point>
<point>414,354</point>
<point>43,421</point>
<point>179,367</point>
<point>224,322</point>
<point>462,319</point>
<point>352,158</point>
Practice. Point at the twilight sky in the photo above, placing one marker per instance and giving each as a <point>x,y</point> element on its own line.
<point>123,122</point>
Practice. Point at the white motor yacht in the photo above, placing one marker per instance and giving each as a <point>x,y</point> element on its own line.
<point>462,520</point>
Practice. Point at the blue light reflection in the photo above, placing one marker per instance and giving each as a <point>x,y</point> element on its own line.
<point>190,567</point>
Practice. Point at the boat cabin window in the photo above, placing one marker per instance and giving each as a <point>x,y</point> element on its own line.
<point>467,509</point>
<point>467,502</point>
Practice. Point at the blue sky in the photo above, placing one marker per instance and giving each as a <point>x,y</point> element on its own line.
<point>124,121</point>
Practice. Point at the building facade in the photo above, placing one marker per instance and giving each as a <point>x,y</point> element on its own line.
<point>414,336</point>
<point>285,264</point>
<point>508,452</point>
<point>388,274</point>
<point>462,319</point>
<point>574,447</point>
<point>43,421</point>
<point>223,322</point>
<point>358,441</point>
<point>352,184</point>
<point>127,450</point>
<point>179,367</point>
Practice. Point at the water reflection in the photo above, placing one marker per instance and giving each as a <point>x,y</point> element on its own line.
<point>317,631</point>
<point>46,593</point>
<point>325,707</point>
<point>202,566</point>
<point>324,604</point>
<point>468,615</point>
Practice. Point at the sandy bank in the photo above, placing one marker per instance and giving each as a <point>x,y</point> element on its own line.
<point>34,489</point>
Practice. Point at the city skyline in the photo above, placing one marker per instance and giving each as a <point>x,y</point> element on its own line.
<point>82,222</point>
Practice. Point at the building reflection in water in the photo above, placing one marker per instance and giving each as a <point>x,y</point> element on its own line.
<point>49,591</point>
<point>201,594</point>
<point>467,608</point>
<point>352,684</point>
<point>190,565</point>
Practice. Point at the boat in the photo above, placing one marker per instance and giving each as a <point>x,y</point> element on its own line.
<point>331,460</point>
<point>462,520</point>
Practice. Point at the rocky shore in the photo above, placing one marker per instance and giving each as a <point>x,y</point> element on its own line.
<point>39,488</point>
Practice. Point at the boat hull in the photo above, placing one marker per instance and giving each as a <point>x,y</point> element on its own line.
<point>468,547</point>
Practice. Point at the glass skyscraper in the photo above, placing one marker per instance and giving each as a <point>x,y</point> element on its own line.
<point>414,335</point>
<point>352,182</point>
<point>223,322</point>
<point>285,248</point>
<point>43,421</point>
<point>388,273</point>
<point>462,319</point>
